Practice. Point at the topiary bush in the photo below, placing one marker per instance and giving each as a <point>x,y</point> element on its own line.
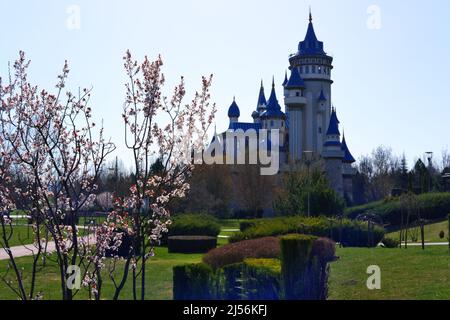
<point>191,244</point>
<point>349,232</point>
<point>295,261</point>
<point>194,225</point>
<point>267,247</point>
<point>194,282</point>
<point>262,279</point>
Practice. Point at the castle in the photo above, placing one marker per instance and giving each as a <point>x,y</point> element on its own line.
<point>309,123</point>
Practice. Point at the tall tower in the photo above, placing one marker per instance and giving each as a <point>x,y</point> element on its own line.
<point>314,67</point>
<point>333,154</point>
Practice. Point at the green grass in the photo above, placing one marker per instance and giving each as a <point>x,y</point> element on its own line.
<point>431,232</point>
<point>405,274</point>
<point>23,235</point>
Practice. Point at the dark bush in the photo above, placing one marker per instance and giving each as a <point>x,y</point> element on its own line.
<point>432,206</point>
<point>194,282</point>
<point>390,243</point>
<point>232,288</point>
<point>194,225</point>
<point>349,233</point>
<point>305,266</point>
<point>191,244</point>
<point>267,247</point>
<point>442,234</point>
<point>262,279</point>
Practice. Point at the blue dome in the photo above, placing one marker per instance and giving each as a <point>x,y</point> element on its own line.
<point>234,111</point>
<point>295,81</point>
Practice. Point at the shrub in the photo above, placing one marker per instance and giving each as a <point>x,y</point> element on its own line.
<point>191,244</point>
<point>349,233</point>
<point>267,247</point>
<point>194,282</point>
<point>262,279</point>
<point>296,253</point>
<point>390,243</point>
<point>432,206</point>
<point>442,234</point>
<point>232,288</point>
<point>194,225</point>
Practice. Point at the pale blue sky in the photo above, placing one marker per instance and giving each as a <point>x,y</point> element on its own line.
<point>391,85</point>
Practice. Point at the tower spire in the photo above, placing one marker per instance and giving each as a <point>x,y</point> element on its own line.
<point>310,15</point>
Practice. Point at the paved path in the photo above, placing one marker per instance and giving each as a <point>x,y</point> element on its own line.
<point>427,244</point>
<point>29,250</point>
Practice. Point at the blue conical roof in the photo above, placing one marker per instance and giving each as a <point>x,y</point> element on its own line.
<point>333,128</point>
<point>295,81</point>
<point>348,158</point>
<point>311,46</point>
<point>273,107</point>
<point>262,97</point>
<point>322,96</point>
<point>233,111</point>
<point>285,79</point>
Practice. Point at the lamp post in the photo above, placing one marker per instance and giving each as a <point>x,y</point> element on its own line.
<point>430,165</point>
<point>308,160</point>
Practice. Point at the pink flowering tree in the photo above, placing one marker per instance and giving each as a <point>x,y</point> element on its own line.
<point>52,141</point>
<point>162,134</point>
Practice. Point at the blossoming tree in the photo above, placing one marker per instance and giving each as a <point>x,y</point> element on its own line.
<point>163,135</point>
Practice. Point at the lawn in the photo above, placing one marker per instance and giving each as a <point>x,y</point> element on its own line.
<point>431,232</point>
<point>405,273</point>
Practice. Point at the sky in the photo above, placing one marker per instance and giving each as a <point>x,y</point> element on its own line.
<point>391,67</point>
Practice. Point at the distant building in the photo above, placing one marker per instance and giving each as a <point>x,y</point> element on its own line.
<point>308,123</point>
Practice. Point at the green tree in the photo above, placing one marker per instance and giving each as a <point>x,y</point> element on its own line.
<point>298,186</point>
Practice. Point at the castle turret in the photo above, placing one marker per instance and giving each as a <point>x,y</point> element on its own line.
<point>333,154</point>
<point>348,171</point>
<point>233,112</point>
<point>295,105</point>
<point>261,105</point>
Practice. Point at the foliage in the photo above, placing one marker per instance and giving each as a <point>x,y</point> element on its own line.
<point>267,247</point>
<point>194,224</point>
<point>191,244</point>
<point>390,243</point>
<point>193,282</point>
<point>432,206</point>
<point>298,186</point>
<point>262,279</point>
<point>348,232</point>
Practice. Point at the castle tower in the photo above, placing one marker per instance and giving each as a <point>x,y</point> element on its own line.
<point>334,155</point>
<point>348,171</point>
<point>314,67</point>
<point>261,105</point>
<point>296,105</point>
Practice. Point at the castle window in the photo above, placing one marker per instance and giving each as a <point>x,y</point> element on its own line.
<point>297,94</point>
<point>320,130</point>
<point>313,69</point>
<point>271,123</point>
<point>307,69</point>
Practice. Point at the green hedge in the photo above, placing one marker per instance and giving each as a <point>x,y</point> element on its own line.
<point>350,233</point>
<point>433,206</point>
<point>302,273</point>
<point>194,282</point>
<point>191,244</point>
<point>194,225</point>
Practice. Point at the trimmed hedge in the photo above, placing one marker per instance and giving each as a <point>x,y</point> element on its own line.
<point>233,253</point>
<point>194,282</point>
<point>302,273</point>
<point>350,233</point>
<point>194,225</point>
<point>191,244</point>
<point>262,279</point>
<point>432,206</point>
